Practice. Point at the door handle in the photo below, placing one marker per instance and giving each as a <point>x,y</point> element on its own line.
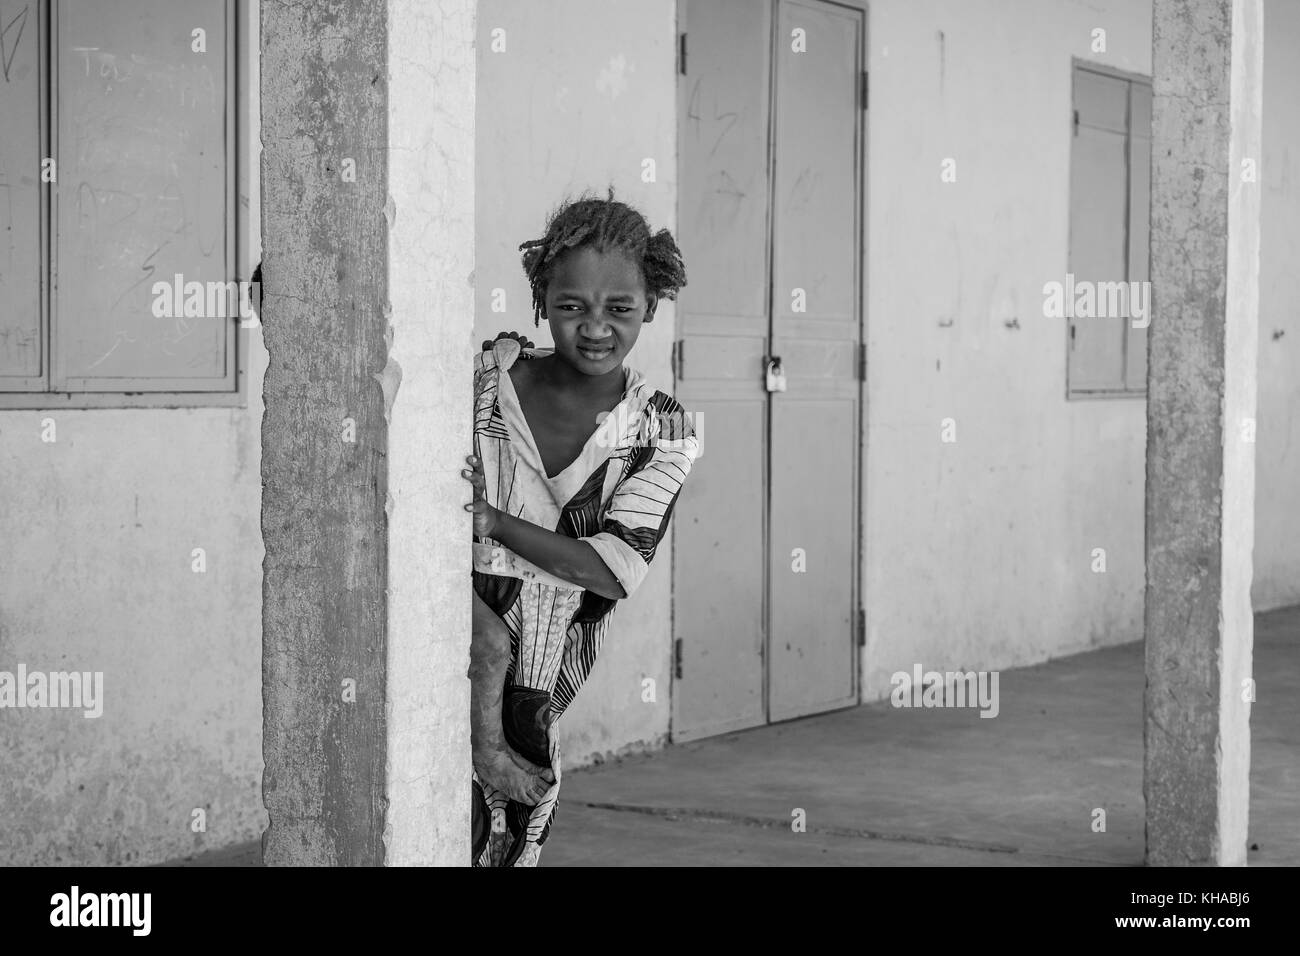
<point>775,374</point>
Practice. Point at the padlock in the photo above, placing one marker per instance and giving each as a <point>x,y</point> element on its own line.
<point>775,374</point>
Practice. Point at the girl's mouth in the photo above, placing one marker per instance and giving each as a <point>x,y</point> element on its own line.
<point>595,354</point>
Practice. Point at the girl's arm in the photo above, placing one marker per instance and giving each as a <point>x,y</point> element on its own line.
<point>565,557</point>
<point>568,558</point>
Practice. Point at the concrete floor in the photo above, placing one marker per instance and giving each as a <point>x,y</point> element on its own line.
<point>898,787</point>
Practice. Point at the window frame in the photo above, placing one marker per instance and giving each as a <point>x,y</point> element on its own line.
<point>1121,391</point>
<point>241,74</point>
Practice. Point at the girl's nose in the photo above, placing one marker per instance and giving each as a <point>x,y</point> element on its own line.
<point>594,328</point>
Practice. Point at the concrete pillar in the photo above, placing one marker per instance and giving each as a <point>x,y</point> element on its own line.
<point>1200,427</point>
<point>368,238</point>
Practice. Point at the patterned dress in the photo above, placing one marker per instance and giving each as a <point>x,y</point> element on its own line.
<point>618,496</point>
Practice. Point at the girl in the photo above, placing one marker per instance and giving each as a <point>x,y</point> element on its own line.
<point>577,465</point>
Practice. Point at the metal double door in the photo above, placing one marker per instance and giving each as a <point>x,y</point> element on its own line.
<point>771,116</point>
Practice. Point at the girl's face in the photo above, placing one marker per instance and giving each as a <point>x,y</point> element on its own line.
<point>596,303</point>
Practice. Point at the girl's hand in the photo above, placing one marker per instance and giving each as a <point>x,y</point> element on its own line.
<point>485,516</point>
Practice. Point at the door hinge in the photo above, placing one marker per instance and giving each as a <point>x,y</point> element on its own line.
<point>865,84</point>
<point>862,361</point>
<point>862,627</point>
<point>1076,122</point>
<point>681,53</point>
<point>679,358</point>
<point>677,657</point>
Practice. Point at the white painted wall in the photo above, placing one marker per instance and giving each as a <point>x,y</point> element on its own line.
<point>979,553</point>
<point>98,528</point>
<point>1277,449</point>
<point>583,93</point>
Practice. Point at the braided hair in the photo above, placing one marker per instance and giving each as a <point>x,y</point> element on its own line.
<point>606,225</point>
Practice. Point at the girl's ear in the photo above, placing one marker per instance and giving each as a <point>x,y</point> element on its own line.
<point>651,301</point>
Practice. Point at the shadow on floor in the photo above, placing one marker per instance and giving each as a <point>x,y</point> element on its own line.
<point>885,786</point>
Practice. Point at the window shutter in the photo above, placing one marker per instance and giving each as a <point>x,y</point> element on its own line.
<point>1139,225</point>
<point>145,141</point>
<point>22,358</point>
<point>1098,209</point>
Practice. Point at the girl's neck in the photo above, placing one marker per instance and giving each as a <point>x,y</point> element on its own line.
<point>559,375</point>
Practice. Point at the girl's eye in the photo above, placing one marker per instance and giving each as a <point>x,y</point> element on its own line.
<point>573,307</point>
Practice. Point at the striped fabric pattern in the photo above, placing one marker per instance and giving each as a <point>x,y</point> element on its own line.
<point>618,496</point>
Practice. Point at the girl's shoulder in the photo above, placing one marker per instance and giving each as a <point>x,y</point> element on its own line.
<point>505,350</point>
<point>500,354</point>
<point>665,420</point>
<point>660,418</point>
